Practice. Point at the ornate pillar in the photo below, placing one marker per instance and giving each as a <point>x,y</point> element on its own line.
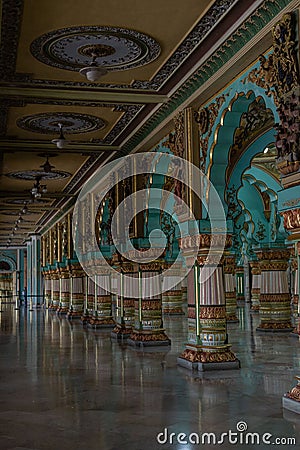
<point>54,290</point>
<point>102,311</point>
<point>37,273</point>
<point>172,302</point>
<point>29,273</point>
<point>184,292</point>
<point>240,284</point>
<point>125,311</point>
<point>291,400</point>
<point>89,298</point>
<point>255,285</point>
<point>275,301</point>
<point>171,299</point>
<point>148,322</point>
<point>230,289</point>
<point>208,347</point>
<point>294,279</point>
<point>77,292</point>
<point>47,288</point>
<point>65,288</point>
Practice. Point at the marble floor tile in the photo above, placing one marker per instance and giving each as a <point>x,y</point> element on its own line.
<point>63,387</point>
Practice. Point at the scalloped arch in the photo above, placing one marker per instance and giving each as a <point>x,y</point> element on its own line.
<point>223,137</point>
<point>10,261</point>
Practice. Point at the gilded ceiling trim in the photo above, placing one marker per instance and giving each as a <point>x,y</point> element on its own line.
<point>129,98</point>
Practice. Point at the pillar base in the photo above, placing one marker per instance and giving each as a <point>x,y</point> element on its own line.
<point>232,319</point>
<point>84,318</point>
<point>62,311</point>
<point>121,332</point>
<point>290,404</point>
<point>148,338</point>
<point>95,322</point>
<point>295,333</point>
<point>52,308</point>
<point>73,315</point>
<point>197,359</point>
<point>187,364</point>
<point>230,365</point>
<point>203,367</point>
<point>275,327</point>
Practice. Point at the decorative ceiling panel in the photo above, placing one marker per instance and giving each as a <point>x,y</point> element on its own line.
<point>114,48</point>
<point>147,49</point>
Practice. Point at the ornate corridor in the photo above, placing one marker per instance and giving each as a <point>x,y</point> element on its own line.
<point>149,223</point>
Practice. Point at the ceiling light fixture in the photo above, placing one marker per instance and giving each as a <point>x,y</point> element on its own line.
<point>47,166</point>
<point>93,72</point>
<point>25,209</point>
<point>61,141</point>
<point>38,188</point>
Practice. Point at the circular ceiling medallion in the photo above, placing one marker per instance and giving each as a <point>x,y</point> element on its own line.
<point>98,50</point>
<point>32,175</point>
<point>115,48</point>
<point>71,122</point>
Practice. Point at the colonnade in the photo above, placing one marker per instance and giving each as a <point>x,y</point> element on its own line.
<point>69,291</point>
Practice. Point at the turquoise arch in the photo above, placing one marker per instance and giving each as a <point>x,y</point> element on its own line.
<point>238,96</point>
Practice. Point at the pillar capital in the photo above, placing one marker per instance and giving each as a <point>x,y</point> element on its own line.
<point>255,267</point>
<point>273,259</point>
<point>205,241</point>
<point>229,264</point>
<point>273,254</point>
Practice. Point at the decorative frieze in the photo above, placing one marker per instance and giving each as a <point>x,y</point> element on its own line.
<point>202,241</point>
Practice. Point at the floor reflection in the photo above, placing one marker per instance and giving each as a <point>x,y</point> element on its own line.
<point>66,387</point>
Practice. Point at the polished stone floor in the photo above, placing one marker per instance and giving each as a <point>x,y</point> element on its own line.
<point>63,387</point>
